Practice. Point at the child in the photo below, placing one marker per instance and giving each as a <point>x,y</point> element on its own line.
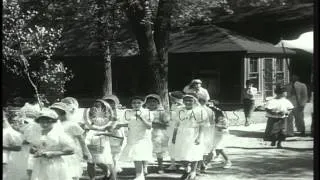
<point>76,114</point>
<point>160,120</point>
<point>99,119</point>
<point>117,144</point>
<point>220,137</point>
<point>208,132</point>
<point>277,110</point>
<point>29,112</point>
<point>139,145</point>
<point>189,142</point>
<point>176,103</point>
<point>11,141</point>
<point>48,148</point>
<point>75,132</point>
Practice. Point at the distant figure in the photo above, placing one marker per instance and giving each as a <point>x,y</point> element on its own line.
<point>277,111</point>
<point>195,87</point>
<point>249,101</point>
<point>298,95</point>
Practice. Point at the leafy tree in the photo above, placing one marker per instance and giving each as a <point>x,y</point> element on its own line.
<point>23,42</point>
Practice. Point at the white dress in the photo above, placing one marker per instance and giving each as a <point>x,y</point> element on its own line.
<point>31,131</point>
<point>221,135</point>
<point>54,168</point>
<point>172,125</point>
<point>73,129</point>
<point>208,131</point>
<point>139,144</point>
<point>160,137</point>
<point>99,147</point>
<point>10,137</point>
<point>117,144</point>
<point>185,148</point>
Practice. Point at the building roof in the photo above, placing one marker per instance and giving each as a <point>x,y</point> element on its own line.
<point>210,38</point>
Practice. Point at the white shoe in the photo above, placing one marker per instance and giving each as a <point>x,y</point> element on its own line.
<point>193,175</point>
<point>139,178</point>
<point>227,165</point>
<point>118,169</point>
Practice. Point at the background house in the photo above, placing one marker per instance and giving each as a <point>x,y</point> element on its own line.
<point>224,60</point>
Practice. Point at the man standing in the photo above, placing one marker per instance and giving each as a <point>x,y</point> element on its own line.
<point>249,101</point>
<point>298,95</point>
<point>195,87</point>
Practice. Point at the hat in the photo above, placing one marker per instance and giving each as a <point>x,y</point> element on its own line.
<point>71,101</point>
<point>154,96</point>
<point>113,98</point>
<point>192,95</point>
<point>62,106</point>
<point>196,81</point>
<point>137,98</point>
<point>48,113</point>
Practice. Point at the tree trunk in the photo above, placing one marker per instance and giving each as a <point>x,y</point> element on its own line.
<point>107,85</point>
<point>154,47</point>
<point>162,38</point>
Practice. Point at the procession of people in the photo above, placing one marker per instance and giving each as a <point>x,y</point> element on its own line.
<point>191,133</point>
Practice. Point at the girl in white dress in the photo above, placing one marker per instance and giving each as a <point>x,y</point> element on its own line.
<point>75,132</point>
<point>99,121</point>
<point>11,142</point>
<point>221,135</point>
<point>176,103</point>
<point>159,132</point>
<point>189,139</point>
<point>208,133</point>
<point>118,140</point>
<point>29,112</point>
<point>139,145</point>
<point>48,148</point>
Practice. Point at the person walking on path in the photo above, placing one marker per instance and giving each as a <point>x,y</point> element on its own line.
<point>139,144</point>
<point>298,95</point>
<point>195,87</point>
<point>117,144</point>
<point>277,110</point>
<point>249,101</point>
<point>159,132</point>
<point>189,138</point>
<point>49,147</point>
<point>11,142</point>
<point>75,132</point>
<point>176,103</point>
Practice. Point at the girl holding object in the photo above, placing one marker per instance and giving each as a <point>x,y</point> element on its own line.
<point>75,132</point>
<point>139,145</point>
<point>160,121</point>
<point>49,147</point>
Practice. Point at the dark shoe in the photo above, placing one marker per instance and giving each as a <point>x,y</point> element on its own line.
<point>185,176</point>
<point>279,146</point>
<point>273,143</point>
<point>203,168</point>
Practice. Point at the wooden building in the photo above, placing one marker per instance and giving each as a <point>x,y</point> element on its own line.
<point>224,60</point>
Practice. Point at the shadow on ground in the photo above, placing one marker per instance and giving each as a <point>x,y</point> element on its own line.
<point>248,134</point>
<point>273,163</point>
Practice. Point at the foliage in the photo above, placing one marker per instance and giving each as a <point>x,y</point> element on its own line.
<point>24,41</point>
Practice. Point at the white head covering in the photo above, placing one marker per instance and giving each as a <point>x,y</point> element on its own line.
<point>46,112</point>
<point>155,96</point>
<point>71,101</point>
<point>62,106</point>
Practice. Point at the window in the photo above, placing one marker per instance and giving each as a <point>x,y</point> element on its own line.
<point>279,70</point>
<point>253,73</point>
